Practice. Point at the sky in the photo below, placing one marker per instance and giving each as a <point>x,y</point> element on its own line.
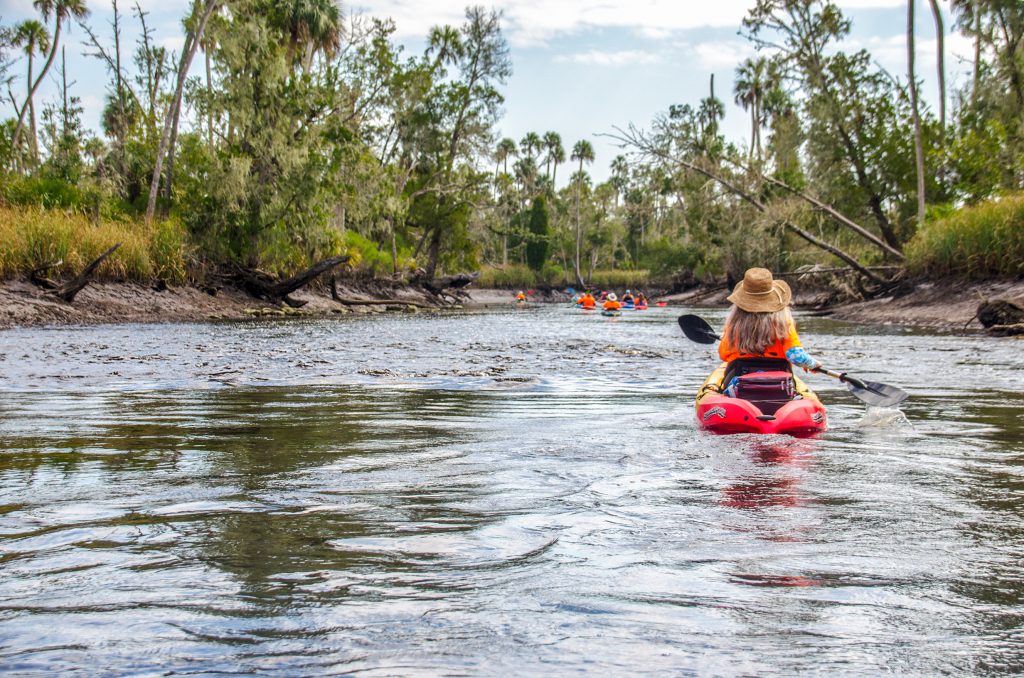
<point>580,67</point>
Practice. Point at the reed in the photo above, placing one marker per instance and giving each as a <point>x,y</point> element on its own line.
<point>979,241</point>
<point>31,237</point>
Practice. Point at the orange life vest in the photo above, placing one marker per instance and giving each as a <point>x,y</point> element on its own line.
<point>776,350</point>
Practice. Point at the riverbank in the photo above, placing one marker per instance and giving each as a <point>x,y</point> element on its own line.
<point>944,304</point>
<point>949,305</point>
<point>24,304</point>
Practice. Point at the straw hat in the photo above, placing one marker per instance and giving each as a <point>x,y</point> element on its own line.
<point>612,297</point>
<point>759,293</point>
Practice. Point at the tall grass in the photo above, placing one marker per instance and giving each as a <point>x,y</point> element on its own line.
<point>980,241</point>
<point>31,237</point>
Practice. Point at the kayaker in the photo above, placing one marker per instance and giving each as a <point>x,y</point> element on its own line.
<point>641,300</point>
<point>760,324</point>
<point>588,301</point>
<point>627,298</point>
<point>612,303</point>
<point>520,297</point>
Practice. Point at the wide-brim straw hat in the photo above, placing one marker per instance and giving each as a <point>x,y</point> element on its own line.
<point>612,297</point>
<point>758,292</point>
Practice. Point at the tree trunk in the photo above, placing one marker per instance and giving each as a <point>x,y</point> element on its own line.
<point>916,114</point>
<point>579,231</point>
<point>20,125</point>
<point>976,76</point>
<point>175,108</point>
<point>32,113</point>
<point>940,65</point>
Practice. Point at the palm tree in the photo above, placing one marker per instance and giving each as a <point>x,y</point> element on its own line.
<point>584,153</point>
<point>505,149</point>
<point>751,85</point>
<point>33,37</point>
<point>530,145</point>
<point>915,113</point>
<point>555,153</point>
<point>62,10</point>
<point>312,25</point>
<point>445,43</point>
<point>620,176</point>
<point>970,23</point>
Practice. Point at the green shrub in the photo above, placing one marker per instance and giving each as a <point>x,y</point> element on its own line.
<point>980,241</point>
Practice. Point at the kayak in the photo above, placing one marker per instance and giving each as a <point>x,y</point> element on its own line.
<point>795,411</point>
<point>641,307</point>
<point>611,314</point>
<point>661,303</point>
<point>629,306</point>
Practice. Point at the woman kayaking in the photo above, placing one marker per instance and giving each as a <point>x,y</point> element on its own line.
<point>760,324</point>
<point>754,390</point>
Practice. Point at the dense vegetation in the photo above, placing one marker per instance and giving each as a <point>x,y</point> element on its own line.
<point>310,134</point>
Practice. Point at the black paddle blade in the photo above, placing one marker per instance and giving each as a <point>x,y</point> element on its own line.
<point>697,329</point>
<point>875,394</point>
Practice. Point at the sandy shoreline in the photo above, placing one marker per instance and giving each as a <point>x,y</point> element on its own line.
<point>949,305</point>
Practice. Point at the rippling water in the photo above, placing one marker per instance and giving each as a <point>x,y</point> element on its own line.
<point>514,492</point>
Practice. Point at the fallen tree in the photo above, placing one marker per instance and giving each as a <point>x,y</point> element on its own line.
<point>69,290</point>
<point>264,286</point>
<point>1001,317</point>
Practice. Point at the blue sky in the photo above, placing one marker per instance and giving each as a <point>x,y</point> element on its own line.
<point>581,67</point>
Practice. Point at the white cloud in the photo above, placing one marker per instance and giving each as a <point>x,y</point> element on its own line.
<point>619,58</point>
<point>533,22</point>
<point>721,54</point>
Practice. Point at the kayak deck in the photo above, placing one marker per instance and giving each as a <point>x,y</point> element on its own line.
<point>800,417</point>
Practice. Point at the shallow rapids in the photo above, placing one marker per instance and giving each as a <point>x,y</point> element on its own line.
<point>513,492</point>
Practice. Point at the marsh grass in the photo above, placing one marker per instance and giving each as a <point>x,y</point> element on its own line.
<point>31,237</point>
<point>980,241</point>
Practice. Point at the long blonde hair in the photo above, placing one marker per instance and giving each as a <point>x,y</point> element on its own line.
<point>753,333</point>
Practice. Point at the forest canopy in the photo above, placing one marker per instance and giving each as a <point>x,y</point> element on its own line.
<point>283,132</point>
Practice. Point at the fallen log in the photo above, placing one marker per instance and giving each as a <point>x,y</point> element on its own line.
<point>999,312</point>
<point>70,289</point>
<point>382,302</point>
<point>262,286</point>
<point>1014,330</point>
<point>37,278</point>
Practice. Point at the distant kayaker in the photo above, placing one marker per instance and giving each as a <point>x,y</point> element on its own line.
<point>588,301</point>
<point>627,298</point>
<point>520,297</point>
<point>612,303</point>
<point>760,324</point>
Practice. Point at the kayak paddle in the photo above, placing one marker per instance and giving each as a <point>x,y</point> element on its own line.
<point>871,392</point>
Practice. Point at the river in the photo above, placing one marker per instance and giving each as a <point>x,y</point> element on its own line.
<point>519,492</point>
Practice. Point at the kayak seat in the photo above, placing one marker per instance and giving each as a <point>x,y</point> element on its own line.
<point>766,382</point>
<point>741,366</point>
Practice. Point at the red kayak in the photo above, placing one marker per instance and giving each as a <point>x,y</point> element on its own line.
<point>768,402</point>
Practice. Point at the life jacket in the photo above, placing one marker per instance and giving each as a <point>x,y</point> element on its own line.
<point>612,305</point>
<point>587,301</point>
<point>776,350</point>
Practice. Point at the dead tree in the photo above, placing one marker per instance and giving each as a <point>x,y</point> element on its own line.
<point>68,290</point>
<point>1001,317</point>
<point>263,286</point>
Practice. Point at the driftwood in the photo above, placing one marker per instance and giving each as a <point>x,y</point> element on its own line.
<point>1001,317</point>
<point>438,286</point>
<point>263,286</point>
<point>382,302</point>
<point>70,289</point>
<point>37,278</point>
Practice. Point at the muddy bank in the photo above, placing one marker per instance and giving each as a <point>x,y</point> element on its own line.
<point>943,305</point>
<point>23,304</point>
<point>950,305</point>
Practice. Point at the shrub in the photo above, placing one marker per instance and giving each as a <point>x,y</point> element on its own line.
<point>32,237</point>
<point>512,275</point>
<point>619,278</point>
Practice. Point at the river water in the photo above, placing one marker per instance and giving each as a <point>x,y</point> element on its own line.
<point>511,492</point>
